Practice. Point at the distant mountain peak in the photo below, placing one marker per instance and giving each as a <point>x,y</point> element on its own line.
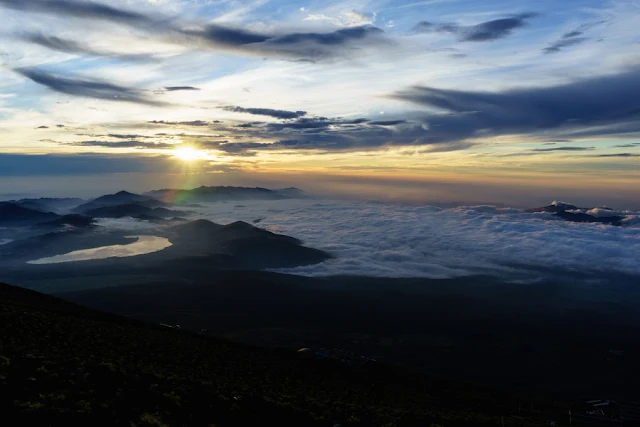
<point>569,212</point>
<point>563,205</point>
<point>220,193</point>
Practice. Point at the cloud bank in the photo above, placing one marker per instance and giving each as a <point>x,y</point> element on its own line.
<point>611,103</point>
<point>312,46</point>
<point>393,240</point>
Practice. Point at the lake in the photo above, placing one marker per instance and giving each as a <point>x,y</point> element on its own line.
<point>144,245</point>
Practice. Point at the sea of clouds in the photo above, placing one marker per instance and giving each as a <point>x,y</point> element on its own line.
<point>396,240</point>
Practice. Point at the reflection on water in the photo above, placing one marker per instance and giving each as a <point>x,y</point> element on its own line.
<point>144,245</point>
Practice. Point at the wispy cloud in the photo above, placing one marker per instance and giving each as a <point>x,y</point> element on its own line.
<point>571,38</point>
<point>557,46</point>
<point>609,101</point>
<point>179,88</point>
<point>280,114</point>
<point>298,46</point>
<point>124,144</point>
<point>563,149</point>
<point>71,46</point>
<point>485,31</point>
<point>87,88</point>
<point>79,9</point>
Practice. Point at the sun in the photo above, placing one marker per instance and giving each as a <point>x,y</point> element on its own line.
<point>189,154</point>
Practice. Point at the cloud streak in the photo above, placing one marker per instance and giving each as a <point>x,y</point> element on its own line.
<point>79,9</point>
<point>71,46</point>
<point>297,46</point>
<point>87,88</point>
<point>394,240</point>
<point>563,149</point>
<point>452,119</point>
<point>279,114</point>
<point>571,38</point>
<point>609,102</point>
<point>180,88</point>
<point>483,32</point>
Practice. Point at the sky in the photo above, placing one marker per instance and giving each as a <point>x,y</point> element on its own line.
<point>504,102</point>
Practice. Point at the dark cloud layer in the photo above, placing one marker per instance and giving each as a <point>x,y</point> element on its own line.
<point>485,31</point>
<point>563,149</point>
<point>124,144</point>
<point>297,46</point>
<point>79,9</point>
<point>197,123</point>
<point>280,114</point>
<point>178,88</point>
<point>335,38</point>
<point>449,120</point>
<point>600,106</point>
<point>227,36</point>
<point>387,122</point>
<point>308,47</point>
<point>609,102</point>
<point>87,88</point>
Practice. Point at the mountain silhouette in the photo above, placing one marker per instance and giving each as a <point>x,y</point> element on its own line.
<point>12,214</point>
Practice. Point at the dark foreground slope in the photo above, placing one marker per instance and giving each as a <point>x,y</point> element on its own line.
<point>554,338</point>
<point>64,365</point>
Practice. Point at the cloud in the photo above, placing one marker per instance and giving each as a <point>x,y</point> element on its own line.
<point>197,123</point>
<point>351,18</point>
<point>563,43</point>
<point>129,136</point>
<point>571,38</point>
<point>396,240</point>
<point>564,149</point>
<point>178,88</point>
<point>322,46</point>
<point>620,155</point>
<point>387,122</point>
<point>227,36</point>
<point>605,104</point>
<point>326,134</point>
<point>295,46</point>
<point>242,147</point>
<point>79,9</point>
<point>279,114</point>
<point>485,31</point>
<point>70,46</point>
<point>631,145</point>
<point>335,38</point>
<point>123,144</point>
<point>87,88</point>
<point>298,46</point>
<point>456,120</point>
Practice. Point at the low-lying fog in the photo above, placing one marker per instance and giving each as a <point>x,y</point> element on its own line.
<point>396,240</point>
